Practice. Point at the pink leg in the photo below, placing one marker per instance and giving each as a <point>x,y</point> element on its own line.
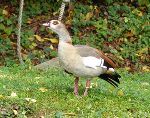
<point>87,87</point>
<point>76,86</point>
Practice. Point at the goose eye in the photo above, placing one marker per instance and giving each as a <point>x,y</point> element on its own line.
<point>55,22</point>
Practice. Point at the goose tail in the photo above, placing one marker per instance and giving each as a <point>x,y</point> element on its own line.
<point>113,78</point>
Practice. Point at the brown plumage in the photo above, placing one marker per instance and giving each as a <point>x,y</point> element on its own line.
<point>85,50</point>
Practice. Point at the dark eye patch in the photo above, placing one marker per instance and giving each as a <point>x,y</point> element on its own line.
<point>55,22</point>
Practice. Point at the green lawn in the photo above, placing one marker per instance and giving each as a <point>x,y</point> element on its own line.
<point>49,94</point>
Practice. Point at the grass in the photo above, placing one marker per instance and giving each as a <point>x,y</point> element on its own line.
<point>49,94</point>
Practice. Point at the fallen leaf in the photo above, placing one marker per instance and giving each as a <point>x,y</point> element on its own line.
<point>42,89</point>
<point>146,69</point>
<point>130,34</point>
<point>143,50</point>
<point>15,112</point>
<point>33,45</point>
<point>1,96</point>
<point>5,12</point>
<point>33,100</point>
<point>27,99</point>
<point>120,93</point>
<point>51,47</point>
<point>30,100</point>
<point>13,94</point>
<point>68,22</point>
<point>137,12</point>
<point>29,21</point>
<point>70,114</point>
<point>140,14</point>
<point>53,40</point>
<point>88,16</point>
<point>38,38</point>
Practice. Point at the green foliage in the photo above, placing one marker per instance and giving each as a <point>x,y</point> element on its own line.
<point>119,27</point>
<point>143,2</point>
<point>8,29</point>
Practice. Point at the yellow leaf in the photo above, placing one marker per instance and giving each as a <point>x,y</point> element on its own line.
<point>120,93</point>
<point>88,16</point>
<point>42,89</point>
<point>68,22</point>
<point>51,47</point>
<point>146,69</point>
<point>29,21</point>
<point>38,38</point>
<point>1,96</point>
<point>53,40</point>
<point>15,112</point>
<point>33,45</point>
<point>140,14</point>
<point>5,12</point>
<point>142,50</point>
<point>54,13</point>
<point>30,100</point>
<point>137,12</point>
<point>46,38</point>
<point>70,114</point>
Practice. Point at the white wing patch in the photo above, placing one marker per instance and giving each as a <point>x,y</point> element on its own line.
<point>93,62</point>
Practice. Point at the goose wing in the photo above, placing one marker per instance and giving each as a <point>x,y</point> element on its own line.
<point>93,54</point>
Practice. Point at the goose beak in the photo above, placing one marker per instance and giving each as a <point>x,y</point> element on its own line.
<point>46,24</point>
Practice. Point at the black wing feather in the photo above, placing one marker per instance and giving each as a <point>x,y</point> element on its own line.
<point>113,79</point>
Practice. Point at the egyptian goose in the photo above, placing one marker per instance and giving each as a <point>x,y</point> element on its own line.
<point>81,60</point>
